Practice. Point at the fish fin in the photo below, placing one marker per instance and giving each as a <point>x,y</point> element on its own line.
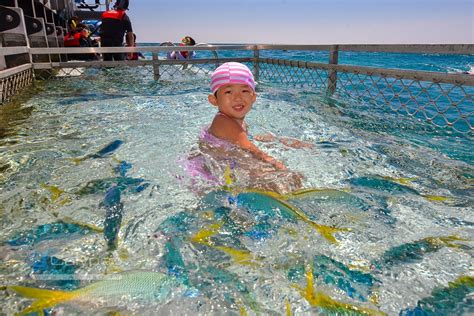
<point>89,226</point>
<point>328,231</point>
<point>448,241</point>
<point>437,198</point>
<point>309,191</point>
<point>462,280</point>
<point>243,257</point>
<point>287,307</point>
<point>77,161</point>
<point>55,191</point>
<point>403,181</point>
<point>43,298</point>
<point>203,236</point>
<point>228,176</point>
<point>325,231</point>
<point>320,299</point>
<point>272,194</point>
<point>303,192</point>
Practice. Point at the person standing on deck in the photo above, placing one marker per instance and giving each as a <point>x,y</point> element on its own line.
<point>116,24</point>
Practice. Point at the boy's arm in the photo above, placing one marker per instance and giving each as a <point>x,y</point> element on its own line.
<point>287,141</point>
<point>294,143</point>
<point>230,130</point>
<point>244,143</point>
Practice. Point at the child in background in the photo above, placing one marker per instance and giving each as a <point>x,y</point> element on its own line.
<point>185,41</point>
<point>226,142</point>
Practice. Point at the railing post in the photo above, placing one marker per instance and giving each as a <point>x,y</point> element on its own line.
<point>256,63</point>
<point>156,66</point>
<point>3,63</point>
<point>332,73</point>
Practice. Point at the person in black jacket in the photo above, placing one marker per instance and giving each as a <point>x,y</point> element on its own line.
<point>115,24</point>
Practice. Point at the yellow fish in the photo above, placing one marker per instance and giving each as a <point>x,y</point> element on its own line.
<point>319,299</point>
<point>325,231</point>
<point>228,176</point>
<point>55,193</point>
<point>203,237</point>
<point>404,181</point>
<point>111,291</point>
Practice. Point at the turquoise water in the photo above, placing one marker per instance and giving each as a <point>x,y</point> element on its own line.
<point>428,62</point>
<point>107,151</point>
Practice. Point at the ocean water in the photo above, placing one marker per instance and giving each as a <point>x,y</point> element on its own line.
<point>427,62</point>
<point>386,224</point>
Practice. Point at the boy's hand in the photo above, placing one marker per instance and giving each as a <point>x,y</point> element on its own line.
<point>266,138</point>
<point>294,143</point>
<point>278,165</point>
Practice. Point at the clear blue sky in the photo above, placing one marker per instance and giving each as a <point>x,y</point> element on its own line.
<point>304,21</point>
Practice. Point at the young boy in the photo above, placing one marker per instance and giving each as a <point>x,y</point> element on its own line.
<point>225,143</point>
<point>233,88</point>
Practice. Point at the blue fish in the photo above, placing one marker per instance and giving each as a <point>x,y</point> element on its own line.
<point>174,262</point>
<point>414,251</point>
<point>381,184</point>
<point>55,272</point>
<point>99,186</point>
<point>395,186</point>
<point>106,151</point>
<point>354,283</point>
<point>122,168</point>
<point>50,231</point>
<point>113,216</point>
<point>271,205</point>
<point>455,299</point>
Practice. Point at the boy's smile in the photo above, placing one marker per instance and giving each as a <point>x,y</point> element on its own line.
<point>234,100</point>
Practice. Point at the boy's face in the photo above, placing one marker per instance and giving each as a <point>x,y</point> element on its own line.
<point>234,100</point>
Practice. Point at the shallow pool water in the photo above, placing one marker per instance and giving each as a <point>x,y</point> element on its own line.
<point>387,226</point>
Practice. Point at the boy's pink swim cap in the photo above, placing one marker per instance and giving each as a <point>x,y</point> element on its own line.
<point>231,73</point>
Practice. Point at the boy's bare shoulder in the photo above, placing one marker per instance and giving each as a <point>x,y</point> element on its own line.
<point>226,128</point>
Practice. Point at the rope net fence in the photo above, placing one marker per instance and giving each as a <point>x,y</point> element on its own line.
<point>440,100</point>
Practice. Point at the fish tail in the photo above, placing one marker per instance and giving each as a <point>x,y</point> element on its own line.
<point>328,231</point>
<point>55,191</point>
<point>228,176</point>
<point>325,231</point>
<point>42,298</point>
<point>287,307</point>
<point>203,236</point>
<point>450,241</point>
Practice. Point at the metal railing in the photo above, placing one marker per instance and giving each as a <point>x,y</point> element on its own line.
<point>443,99</point>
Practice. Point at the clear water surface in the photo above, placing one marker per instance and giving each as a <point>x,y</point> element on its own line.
<point>400,192</point>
